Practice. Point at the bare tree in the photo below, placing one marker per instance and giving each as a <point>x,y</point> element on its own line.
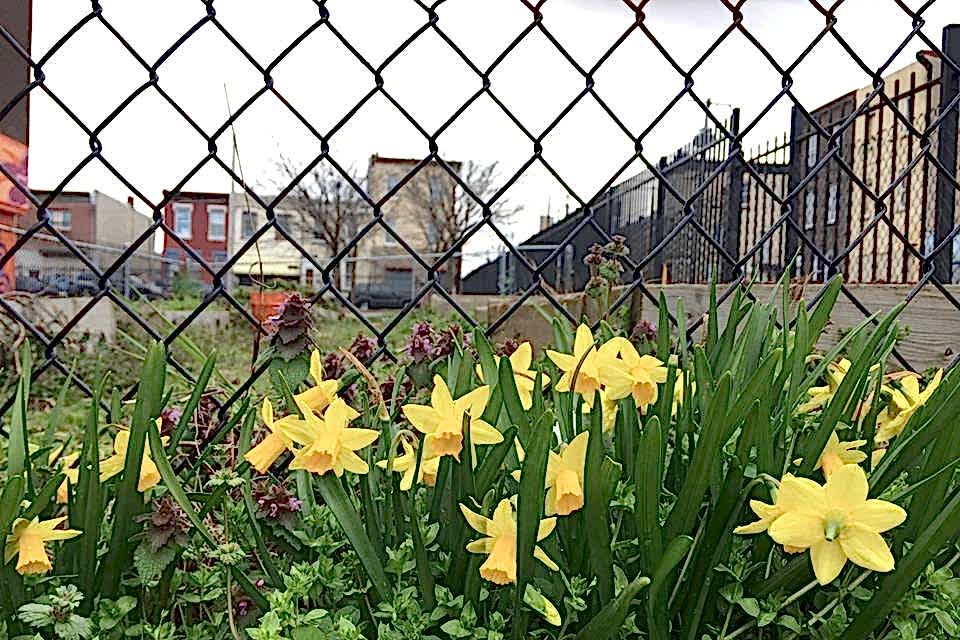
<point>325,205</point>
<point>447,211</point>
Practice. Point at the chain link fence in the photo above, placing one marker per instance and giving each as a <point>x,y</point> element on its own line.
<point>864,187</point>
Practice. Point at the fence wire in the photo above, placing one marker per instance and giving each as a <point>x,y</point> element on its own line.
<point>865,187</point>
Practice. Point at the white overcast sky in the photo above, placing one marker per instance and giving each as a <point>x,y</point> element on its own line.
<point>153,146</point>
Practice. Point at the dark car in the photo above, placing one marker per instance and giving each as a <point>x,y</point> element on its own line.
<point>84,284</point>
<point>29,284</point>
<point>139,286</point>
<point>379,296</point>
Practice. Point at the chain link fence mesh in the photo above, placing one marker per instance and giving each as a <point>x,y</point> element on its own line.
<point>864,187</point>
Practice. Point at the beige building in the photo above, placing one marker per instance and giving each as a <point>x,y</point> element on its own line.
<point>412,212</point>
<point>883,149</point>
<point>831,208</point>
<point>273,257</point>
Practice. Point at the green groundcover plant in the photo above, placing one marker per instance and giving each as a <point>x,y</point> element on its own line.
<point>623,484</point>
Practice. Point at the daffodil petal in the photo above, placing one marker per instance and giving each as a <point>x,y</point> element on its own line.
<point>847,487</point>
<point>542,556</point>
<point>477,522</point>
<point>878,515</point>
<point>866,548</point>
<point>483,433</point>
<point>483,545</point>
<point>355,438</point>
<point>546,527</point>
<point>828,559</point>
<point>352,462</point>
<point>797,529</point>
<point>424,418</point>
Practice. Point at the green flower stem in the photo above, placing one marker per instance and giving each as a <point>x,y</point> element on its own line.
<point>786,603</point>
<point>818,616</point>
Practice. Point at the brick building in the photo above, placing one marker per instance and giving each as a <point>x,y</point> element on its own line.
<point>100,227</point>
<point>202,221</point>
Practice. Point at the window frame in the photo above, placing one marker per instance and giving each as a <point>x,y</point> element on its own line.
<point>833,202</point>
<point>181,208</point>
<point>221,210</point>
<point>64,215</point>
<point>809,210</point>
<point>245,215</point>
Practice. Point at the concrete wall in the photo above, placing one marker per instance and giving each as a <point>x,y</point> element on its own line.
<point>933,322</point>
<point>50,314</point>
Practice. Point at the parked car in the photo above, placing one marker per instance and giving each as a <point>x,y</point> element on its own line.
<point>29,284</point>
<point>148,290</point>
<point>84,284</point>
<point>377,295</point>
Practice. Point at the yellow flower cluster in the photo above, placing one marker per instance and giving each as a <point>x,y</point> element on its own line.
<point>615,369</point>
<point>903,400</point>
<point>321,439</point>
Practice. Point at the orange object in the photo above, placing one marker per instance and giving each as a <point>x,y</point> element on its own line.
<point>7,238</point>
<point>13,157</point>
<point>264,304</point>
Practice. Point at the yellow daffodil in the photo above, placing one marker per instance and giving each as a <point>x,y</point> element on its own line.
<point>678,386</point>
<point>904,402</point>
<point>28,542</point>
<point>322,393</point>
<point>836,454</point>
<point>406,463</point>
<point>820,396</point>
<point>838,523</point>
<point>523,375</point>
<point>564,477</point>
<point>73,475</point>
<point>608,408</point>
<point>330,442</point>
<point>583,362</point>
<point>624,372</point>
<point>442,420</point>
<point>792,491</point>
<point>262,456</point>
<point>500,542</point>
<point>149,475</point>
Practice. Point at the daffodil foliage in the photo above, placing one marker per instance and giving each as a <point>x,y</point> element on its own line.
<point>738,478</point>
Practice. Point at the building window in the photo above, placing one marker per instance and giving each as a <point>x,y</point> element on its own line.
<point>388,237</point>
<point>285,222</point>
<point>183,220</point>
<point>217,258</point>
<point>61,219</point>
<point>392,181</point>
<point>812,151</point>
<point>216,222</point>
<point>810,202</point>
<point>832,203</point>
<point>437,189</point>
<point>248,224</point>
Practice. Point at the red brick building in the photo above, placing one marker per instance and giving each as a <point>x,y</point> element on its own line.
<point>202,221</point>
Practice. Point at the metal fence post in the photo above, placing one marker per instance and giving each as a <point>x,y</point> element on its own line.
<point>658,226</point>
<point>947,153</point>
<point>731,205</point>
<point>792,239</point>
